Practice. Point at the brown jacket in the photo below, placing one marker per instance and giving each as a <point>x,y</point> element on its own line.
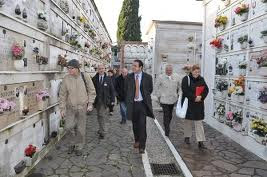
<point>73,92</point>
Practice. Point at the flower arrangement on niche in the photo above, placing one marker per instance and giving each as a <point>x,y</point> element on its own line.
<point>262,62</point>
<point>242,10</point>
<point>41,60</point>
<point>242,67</point>
<point>18,51</point>
<point>42,21</point>
<point>30,151</point>
<point>221,110</point>
<point>64,5</point>
<point>42,95</point>
<point>234,119</point>
<point>62,61</point>
<point>221,67</point>
<point>220,22</point>
<point>6,105</point>
<point>259,127</point>
<point>222,85</point>
<point>92,33</point>
<point>216,43</point>
<point>243,41</point>
<point>238,89</point>
<point>105,46</point>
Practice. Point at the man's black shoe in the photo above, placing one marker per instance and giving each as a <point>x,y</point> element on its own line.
<point>187,140</point>
<point>201,145</point>
<point>71,149</point>
<point>141,151</point>
<point>101,136</point>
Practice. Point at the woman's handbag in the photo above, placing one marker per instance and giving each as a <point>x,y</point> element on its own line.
<point>181,108</point>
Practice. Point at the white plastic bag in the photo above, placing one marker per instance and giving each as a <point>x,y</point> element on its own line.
<point>181,108</point>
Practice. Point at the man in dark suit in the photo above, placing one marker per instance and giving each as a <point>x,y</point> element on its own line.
<point>139,87</point>
<point>105,96</point>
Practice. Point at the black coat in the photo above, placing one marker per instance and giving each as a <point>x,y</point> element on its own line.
<point>119,87</point>
<point>195,110</point>
<point>146,88</point>
<point>108,90</point>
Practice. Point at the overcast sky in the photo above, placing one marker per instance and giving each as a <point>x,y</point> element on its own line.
<point>176,10</point>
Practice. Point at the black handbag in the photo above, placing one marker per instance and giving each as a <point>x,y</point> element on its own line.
<point>20,167</point>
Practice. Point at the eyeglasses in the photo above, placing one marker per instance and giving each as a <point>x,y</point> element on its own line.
<point>70,68</point>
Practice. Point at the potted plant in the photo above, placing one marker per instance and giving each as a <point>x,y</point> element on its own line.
<point>42,21</point>
<point>259,130</point>
<point>18,53</point>
<point>222,87</point>
<point>264,35</point>
<point>263,97</point>
<point>242,10</point>
<point>42,99</point>
<point>262,65</point>
<point>220,111</point>
<point>217,44</point>
<point>220,22</point>
<point>242,68</point>
<point>30,154</point>
<point>243,41</point>
<point>265,4</point>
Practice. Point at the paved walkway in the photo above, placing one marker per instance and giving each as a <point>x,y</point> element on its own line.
<point>224,157</point>
<point>112,157</point>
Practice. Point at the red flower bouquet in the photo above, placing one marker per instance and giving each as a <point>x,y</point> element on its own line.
<point>243,8</point>
<point>30,151</point>
<point>17,51</point>
<point>217,43</point>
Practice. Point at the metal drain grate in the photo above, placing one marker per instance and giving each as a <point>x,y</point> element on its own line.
<point>164,169</point>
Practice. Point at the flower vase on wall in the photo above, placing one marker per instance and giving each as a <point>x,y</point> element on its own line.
<point>18,65</point>
<point>243,45</point>
<point>242,72</point>
<point>237,126</point>
<point>24,15</point>
<point>18,12</point>
<point>244,16</point>
<point>222,27</point>
<point>42,24</point>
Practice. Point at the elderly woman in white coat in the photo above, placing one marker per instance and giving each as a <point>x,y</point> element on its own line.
<point>166,90</point>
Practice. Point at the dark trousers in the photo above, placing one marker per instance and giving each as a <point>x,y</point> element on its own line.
<point>167,116</point>
<point>139,123</point>
<point>111,108</point>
